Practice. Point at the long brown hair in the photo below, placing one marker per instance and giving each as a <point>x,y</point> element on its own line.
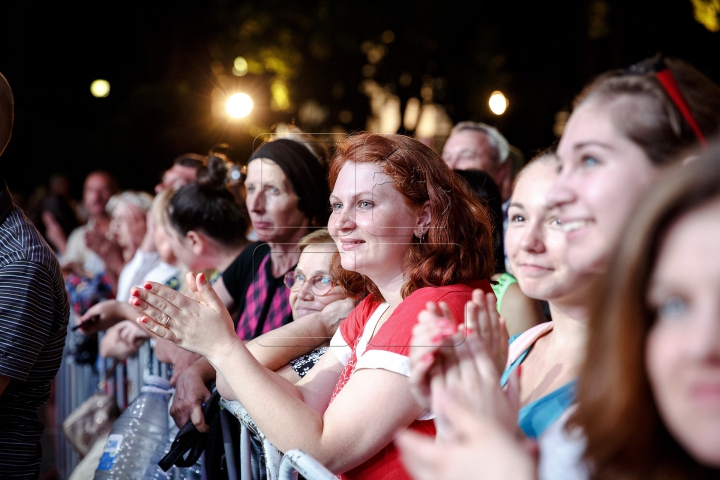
<point>458,248</point>
<point>626,437</point>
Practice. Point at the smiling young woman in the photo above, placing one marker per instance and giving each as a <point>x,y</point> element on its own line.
<point>626,127</point>
<point>653,362</point>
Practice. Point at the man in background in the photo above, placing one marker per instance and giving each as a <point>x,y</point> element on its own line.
<point>477,146</point>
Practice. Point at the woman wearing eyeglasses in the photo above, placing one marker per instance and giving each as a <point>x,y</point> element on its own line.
<point>318,306</point>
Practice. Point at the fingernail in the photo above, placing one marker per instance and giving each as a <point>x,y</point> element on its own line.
<point>443,322</point>
<point>135,293</point>
<point>143,320</point>
<point>136,302</point>
<point>147,286</point>
<point>519,369</point>
<point>201,278</point>
<point>428,357</point>
<point>448,330</point>
<point>438,337</point>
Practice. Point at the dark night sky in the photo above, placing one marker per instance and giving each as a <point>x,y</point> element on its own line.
<point>157,56</point>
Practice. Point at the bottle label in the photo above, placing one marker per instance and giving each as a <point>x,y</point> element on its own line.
<point>111,449</point>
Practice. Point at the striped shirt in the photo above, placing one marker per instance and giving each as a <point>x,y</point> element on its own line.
<point>33,323</point>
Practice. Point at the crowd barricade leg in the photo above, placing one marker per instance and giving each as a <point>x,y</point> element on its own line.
<point>271,454</point>
<point>225,418</point>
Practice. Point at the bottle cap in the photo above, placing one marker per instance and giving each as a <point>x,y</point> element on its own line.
<point>157,382</point>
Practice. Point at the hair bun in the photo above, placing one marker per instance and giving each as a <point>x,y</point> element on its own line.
<point>213,176</point>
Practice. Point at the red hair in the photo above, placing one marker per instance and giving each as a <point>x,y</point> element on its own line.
<point>458,248</point>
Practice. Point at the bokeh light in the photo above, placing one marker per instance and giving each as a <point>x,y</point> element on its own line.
<point>240,66</point>
<point>100,88</point>
<point>498,103</point>
<point>239,105</point>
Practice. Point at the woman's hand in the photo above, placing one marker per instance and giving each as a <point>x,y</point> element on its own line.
<point>203,327</point>
<point>131,334</point>
<point>334,313</point>
<point>470,376</point>
<point>100,317</point>
<point>481,448</point>
<point>112,346</point>
<point>435,325</point>
<point>484,324</point>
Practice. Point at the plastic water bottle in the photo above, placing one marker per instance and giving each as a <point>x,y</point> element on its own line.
<point>137,434</point>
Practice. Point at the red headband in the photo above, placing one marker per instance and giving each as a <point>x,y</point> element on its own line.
<point>657,66</point>
<point>667,80</point>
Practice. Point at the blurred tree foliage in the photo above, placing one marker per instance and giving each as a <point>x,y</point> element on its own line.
<point>170,64</point>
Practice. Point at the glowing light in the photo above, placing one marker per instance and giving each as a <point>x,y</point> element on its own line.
<point>239,105</point>
<point>280,96</point>
<point>100,88</point>
<point>498,103</point>
<point>240,67</point>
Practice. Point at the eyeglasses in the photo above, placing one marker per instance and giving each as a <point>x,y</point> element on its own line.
<point>319,284</point>
<point>657,66</point>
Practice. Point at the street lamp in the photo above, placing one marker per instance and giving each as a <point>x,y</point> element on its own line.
<point>100,88</point>
<point>239,105</point>
<point>498,102</point>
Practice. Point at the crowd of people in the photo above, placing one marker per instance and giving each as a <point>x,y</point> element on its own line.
<point>397,312</point>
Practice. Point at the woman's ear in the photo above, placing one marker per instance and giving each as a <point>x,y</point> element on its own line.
<point>196,242</point>
<point>423,221</point>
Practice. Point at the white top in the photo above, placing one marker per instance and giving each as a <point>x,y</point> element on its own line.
<point>78,252</point>
<point>561,451</point>
<point>162,273</point>
<point>134,272</point>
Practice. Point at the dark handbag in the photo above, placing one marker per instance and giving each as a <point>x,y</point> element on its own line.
<point>190,443</point>
<point>92,419</point>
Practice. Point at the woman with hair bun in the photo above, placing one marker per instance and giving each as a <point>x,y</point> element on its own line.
<point>287,195</point>
<point>408,232</point>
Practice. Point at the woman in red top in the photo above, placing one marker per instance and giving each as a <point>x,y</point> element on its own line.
<point>408,231</point>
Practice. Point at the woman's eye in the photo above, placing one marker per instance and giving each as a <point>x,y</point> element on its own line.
<point>589,161</point>
<point>554,222</point>
<point>250,188</point>
<point>336,207</point>
<point>672,308</point>
<point>517,218</point>
<point>273,190</point>
<point>364,204</point>
<point>324,280</point>
<point>299,278</point>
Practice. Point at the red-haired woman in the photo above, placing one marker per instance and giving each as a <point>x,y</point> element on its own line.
<point>410,232</point>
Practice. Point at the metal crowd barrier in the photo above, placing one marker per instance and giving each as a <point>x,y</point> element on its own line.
<point>75,383</point>
<point>273,456</point>
<point>297,461</point>
<point>277,466</point>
